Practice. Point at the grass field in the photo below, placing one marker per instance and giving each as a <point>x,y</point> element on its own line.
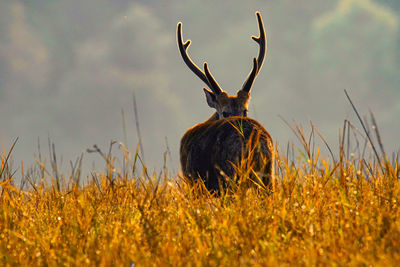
<point>320,211</point>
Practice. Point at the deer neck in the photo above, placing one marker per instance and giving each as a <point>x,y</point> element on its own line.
<point>213,117</point>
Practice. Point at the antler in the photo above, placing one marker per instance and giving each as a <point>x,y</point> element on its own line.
<point>206,77</point>
<point>261,40</point>
<point>213,83</point>
<point>252,76</point>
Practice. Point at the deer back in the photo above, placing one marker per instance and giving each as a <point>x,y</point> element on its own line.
<point>213,150</point>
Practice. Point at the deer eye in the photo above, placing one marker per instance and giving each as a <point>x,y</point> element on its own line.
<point>225,114</point>
<point>244,113</point>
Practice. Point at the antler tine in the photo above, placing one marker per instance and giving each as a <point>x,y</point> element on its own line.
<point>252,76</point>
<point>192,66</point>
<point>214,85</point>
<point>261,40</point>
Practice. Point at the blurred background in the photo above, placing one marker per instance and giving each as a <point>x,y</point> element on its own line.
<point>69,68</point>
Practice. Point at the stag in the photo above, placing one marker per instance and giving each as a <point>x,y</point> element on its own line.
<point>214,150</point>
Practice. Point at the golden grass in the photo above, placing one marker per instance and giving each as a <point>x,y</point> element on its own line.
<point>318,214</point>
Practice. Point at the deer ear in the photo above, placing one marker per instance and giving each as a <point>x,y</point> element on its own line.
<point>211,98</point>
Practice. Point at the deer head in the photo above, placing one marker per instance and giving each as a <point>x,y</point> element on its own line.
<point>225,105</point>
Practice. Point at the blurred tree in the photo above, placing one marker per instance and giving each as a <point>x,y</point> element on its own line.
<point>358,43</point>
<point>394,4</point>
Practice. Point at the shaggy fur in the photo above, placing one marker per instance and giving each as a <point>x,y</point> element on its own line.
<point>211,150</point>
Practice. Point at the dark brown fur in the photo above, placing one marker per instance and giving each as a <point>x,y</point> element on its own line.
<point>211,150</point>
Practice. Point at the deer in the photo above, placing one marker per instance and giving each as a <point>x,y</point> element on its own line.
<point>214,149</point>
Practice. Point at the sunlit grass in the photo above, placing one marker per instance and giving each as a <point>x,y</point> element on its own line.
<point>320,212</point>
<point>342,210</point>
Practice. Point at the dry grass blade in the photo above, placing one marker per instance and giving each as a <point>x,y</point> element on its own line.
<point>138,125</point>
<point>378,136</point>
<point>325,142</point>
<point>364,127</point>
<point>4,162</point>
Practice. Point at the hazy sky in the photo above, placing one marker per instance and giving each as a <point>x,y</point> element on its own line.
<point>68,68</point>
